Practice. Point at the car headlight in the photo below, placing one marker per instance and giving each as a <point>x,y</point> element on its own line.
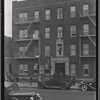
<point>90,83</point>
<point>81,82</point>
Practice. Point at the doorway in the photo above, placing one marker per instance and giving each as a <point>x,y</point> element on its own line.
<point>60,68</point>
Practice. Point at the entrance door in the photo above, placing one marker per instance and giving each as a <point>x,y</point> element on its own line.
<point>60,68</point>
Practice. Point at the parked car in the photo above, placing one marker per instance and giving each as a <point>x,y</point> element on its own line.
<point>88,85</point>
<point>57,81</point>
<point>12,92</point>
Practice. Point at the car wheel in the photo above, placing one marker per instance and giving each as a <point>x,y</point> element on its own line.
<point>63,86</point>
<point>84,88</point>
<point>40,86</point>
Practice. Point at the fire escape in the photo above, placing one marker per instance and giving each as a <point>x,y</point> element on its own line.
<point>26,37</point>
<point>90,34</point>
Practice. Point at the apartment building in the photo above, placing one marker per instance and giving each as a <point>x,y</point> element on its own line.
<point>54,36</point>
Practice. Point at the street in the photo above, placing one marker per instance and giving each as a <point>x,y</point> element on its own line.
<point>57,94</point>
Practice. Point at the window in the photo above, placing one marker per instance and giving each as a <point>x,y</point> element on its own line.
<point>86,70</point>
<point>46,68</point>
<point>59,13</point>
<point>21,49</point>
<point>23,17</point>
<point>36,50</point>
<point>35,68</point>
<point>86,29</point>
<point>36,15</point>
<point>60,31</point>
<point>36,34</point>
<point>47,14</point>
<point>73,11</point>
<point>73,69</point>
<point>85,9</point>
<point>47,50</point>
<point>23,34</point>
<point>23,69</point>
<point>73,30</point>
<point>73,50</point>
<point>59,48</point>
<point>85,49</point>
<point>47,33</point>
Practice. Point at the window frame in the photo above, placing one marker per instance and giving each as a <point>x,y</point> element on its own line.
<point>23,18</point>
<point>47,50</point>
<point>71,50</point>
<point>86,49</point>
<point>35,69</point>
<point>59,31</point>
<point>36,16</point>
<point>47,33</point>
<point>57,52</point>
<point>47,15</point>
<point>60,13</point>
<point>73,13</point>
<point>23,71</point>
<point>73,31</point>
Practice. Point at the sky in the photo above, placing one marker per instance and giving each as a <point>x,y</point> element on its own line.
<point>8,17</point>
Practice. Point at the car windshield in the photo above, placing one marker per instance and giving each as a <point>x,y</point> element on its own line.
<point>13,88</point>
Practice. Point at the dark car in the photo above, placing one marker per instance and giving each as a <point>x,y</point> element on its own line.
<point>88,85</point>
<point>12,92</point>
<point>57,81</point>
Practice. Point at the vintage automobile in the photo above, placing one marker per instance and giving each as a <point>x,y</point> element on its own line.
<point>88,85</point>
<point>57,81</point>
<point>12,92</point>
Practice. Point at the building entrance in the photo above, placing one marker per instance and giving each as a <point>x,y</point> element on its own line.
<point>60,68</point>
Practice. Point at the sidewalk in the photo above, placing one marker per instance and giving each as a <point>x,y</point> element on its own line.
<point>35,85</point>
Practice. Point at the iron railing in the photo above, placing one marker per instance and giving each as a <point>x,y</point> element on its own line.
<point>27,20</point>
<point>90,53</point>
<point>88,32</point>
<point>86,13</point>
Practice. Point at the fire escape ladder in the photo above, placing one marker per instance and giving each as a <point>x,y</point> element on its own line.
<point>92,40</point>
<point>26,48</point>
<point>28,28</point>
<point>92,20</point>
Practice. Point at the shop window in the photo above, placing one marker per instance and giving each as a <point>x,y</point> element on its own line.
<point>73,69</point>
<point>35,68</point>
<point>47,71</point>
<point>86,70</point>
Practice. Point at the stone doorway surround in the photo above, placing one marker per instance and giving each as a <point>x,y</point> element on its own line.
<point>60,60</point>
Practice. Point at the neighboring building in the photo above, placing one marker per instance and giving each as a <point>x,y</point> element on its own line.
<point>54,36</point>
<point>8,55</point>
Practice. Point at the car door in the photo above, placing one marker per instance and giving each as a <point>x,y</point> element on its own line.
<point>52,81</point>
